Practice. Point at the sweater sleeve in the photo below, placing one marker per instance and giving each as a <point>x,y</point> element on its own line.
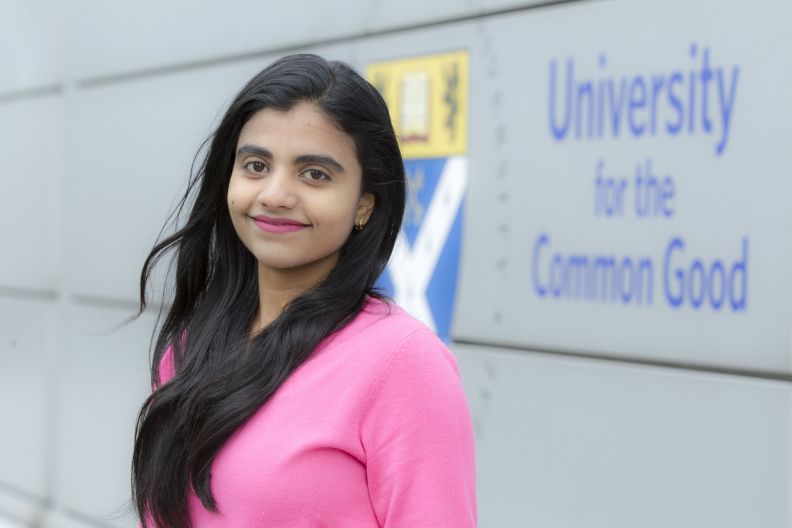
<point>417,433</point>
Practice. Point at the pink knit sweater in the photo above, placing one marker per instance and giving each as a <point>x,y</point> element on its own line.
<point>373,430</point>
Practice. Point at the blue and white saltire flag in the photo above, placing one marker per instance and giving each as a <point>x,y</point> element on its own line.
<point>422,273</point>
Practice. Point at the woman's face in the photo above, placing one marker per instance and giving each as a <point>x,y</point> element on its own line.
<point>295,189</point>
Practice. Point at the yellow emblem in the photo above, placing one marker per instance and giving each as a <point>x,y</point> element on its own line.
<point>428,101</point>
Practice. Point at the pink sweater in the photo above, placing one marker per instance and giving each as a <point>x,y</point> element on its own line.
<point>373,430</point>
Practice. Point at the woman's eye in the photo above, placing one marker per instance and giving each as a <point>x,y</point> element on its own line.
<point>255,166</point>
<point>316,175</point>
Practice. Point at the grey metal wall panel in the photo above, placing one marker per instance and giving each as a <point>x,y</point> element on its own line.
<point>31,168</point>
<point>10,523</point>
<point>145,35</point>
<point>536,250</point>
<point>390,15</point>
<point>103,381</point>
<point>29,44</point>
<point>565,443</point>
<point>131,146</point>
<point>26,327</point>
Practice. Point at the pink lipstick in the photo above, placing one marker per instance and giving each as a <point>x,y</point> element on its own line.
<point>277,225</point>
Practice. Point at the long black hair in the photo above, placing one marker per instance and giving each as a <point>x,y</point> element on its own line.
<point>222,375</point>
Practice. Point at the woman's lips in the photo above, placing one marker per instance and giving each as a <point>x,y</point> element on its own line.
<point>277,225</point>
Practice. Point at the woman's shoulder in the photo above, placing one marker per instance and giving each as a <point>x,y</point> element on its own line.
<point>386,321</point>
<point>383,331</point>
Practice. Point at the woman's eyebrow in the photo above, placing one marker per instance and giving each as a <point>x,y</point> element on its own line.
<point>320,159</point>
<point>255,150</point>
<point>302,158</point>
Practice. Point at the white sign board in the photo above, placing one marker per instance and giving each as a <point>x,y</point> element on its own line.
<point>629,191</point>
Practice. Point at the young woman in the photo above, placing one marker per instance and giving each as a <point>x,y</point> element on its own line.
<point>287,391</point>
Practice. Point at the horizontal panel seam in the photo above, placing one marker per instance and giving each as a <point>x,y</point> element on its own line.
<point>109,79</point>
<point>15,96</point>
<point>627,360</point>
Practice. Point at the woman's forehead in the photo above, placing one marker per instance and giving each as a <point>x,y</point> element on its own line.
<point>303,118</point>
<point>302,130</point>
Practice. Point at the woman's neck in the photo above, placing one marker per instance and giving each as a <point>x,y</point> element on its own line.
<point>278,287</point>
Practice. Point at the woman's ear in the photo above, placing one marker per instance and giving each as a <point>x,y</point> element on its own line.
<point>365,208</point>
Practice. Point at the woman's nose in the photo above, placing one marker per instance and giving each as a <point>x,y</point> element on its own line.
<point>277,190</point>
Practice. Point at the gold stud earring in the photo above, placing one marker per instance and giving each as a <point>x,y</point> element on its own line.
<point>359,224</point>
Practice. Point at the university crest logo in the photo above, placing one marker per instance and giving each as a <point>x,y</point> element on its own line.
<point>428,101</point>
